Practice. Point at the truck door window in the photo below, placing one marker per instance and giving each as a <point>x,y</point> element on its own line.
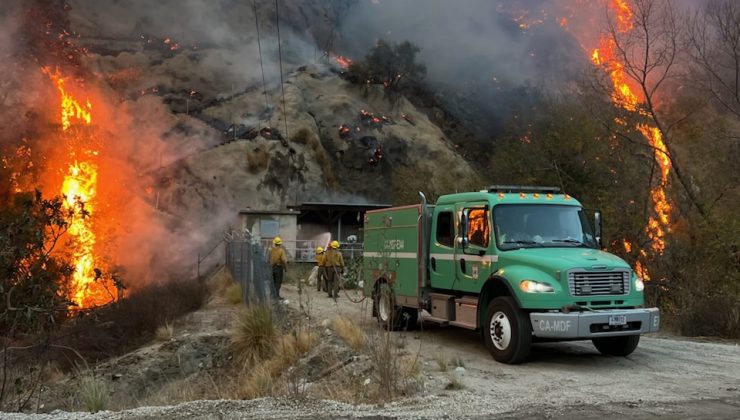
<point>479,229</point>
<point>445,233</point>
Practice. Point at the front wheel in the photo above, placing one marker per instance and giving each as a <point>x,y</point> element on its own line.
<point>507,331</point>
<point>617,346</point>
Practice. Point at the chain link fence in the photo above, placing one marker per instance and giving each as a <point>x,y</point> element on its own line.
<point>246,259</point>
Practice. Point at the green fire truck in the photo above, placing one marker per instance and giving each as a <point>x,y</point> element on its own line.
<point>519,264</point>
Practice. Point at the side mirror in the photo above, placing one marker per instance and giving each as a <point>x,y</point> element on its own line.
<point>464,229</point>
<point>597,227</point>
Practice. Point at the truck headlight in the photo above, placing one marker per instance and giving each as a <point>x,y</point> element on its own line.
<point>531,286</point>
<point>639,285</point>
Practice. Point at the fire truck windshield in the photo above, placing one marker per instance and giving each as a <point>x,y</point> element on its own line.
<point>542,225</point>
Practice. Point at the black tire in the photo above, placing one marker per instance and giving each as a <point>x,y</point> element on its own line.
<point>507,331</point>
<point>391,316</point>
<point>617,346</point>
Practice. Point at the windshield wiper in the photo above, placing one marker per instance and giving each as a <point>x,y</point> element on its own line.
<point>569,241</point>
<point>522,242</point>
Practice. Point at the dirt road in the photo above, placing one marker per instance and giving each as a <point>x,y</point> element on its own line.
<point>665,376</point>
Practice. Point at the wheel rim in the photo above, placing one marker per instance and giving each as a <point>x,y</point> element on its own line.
<point>384,306</point>
<point>500,330</point>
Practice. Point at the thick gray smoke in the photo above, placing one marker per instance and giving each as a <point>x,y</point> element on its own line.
<point>143,59</point>
<point>483,55</point>
<point>463,41</point>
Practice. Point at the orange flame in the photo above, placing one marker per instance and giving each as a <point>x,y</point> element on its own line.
<point>624,96</point>
<point>343,62</point>
<point>79,190</point>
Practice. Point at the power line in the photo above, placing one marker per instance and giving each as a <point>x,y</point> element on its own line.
<point>280,57</point>
<point>262,67</point>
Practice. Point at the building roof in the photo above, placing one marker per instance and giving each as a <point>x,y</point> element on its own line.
<point>337,206</point>
<point>277,212</point>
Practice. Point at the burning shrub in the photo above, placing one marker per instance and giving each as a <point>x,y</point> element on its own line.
<point>389,65</point>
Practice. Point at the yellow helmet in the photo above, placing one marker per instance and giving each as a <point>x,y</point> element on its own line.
<point>319,250</point>
<point>335,244</point>
<point>277,241</point>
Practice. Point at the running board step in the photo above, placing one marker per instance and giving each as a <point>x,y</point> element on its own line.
<point>462,325</point>
<point>440,321</point>
<point>466,312</point>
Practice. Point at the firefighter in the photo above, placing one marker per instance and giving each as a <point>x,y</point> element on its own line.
<point>279,262</point>
<point>333,263</point>
<point>320,272</point>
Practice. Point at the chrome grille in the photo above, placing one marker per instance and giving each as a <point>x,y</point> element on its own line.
<point>599,283</point>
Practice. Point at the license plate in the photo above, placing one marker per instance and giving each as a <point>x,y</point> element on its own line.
<point>617,319</point>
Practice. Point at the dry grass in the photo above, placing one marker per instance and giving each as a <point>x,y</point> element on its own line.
<point>198,387</point>
<point>350,332</point>
<point>260,383</point>
<point>165,332</point>
<point>322,158</point>
<point>52,373</point>
<point>302,136</point>
<point>455,382</point>
<point>257,160</point>
<point>133,321</point>
<point>442,362</point>
<point>93,393</point>
<point>255,334</point>
<point>233,293</point>
<point>219,281</point>
<point>458,362</point>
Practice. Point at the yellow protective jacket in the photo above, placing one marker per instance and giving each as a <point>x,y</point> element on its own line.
<point>320,259</point>
<point>333,258</point>
<point>278,256</point>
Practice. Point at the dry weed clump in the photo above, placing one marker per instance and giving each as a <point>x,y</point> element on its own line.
<point>442,362</point>
<point>233,294</point>
<point>277,373</point>
<point>395,371</point>
<point>455,382</point>
<point>255,334</point>
<point>93,393</point>
<point>268,356</point>
<point>350,332</point>
<point>165,332</point>
<point>259,383</point>
<point>219,281</point>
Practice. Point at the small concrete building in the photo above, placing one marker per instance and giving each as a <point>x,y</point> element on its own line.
<point>267,224</point>
<point>308,225</point>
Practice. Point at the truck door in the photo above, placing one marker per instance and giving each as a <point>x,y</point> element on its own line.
<point>474,262</point>
<point>442,247</point>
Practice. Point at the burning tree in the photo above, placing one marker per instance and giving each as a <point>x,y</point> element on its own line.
<point>389,65</point>
<point>639,52</point>
<point>646,54</point>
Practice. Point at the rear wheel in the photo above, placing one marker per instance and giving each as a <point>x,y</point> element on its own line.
<point>507,331</point>
<point>617,346</point>
<point>391,316</point>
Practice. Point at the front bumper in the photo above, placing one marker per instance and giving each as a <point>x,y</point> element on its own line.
<point>595,324</point>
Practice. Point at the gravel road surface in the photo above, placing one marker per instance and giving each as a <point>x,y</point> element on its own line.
<point>665,377</point>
